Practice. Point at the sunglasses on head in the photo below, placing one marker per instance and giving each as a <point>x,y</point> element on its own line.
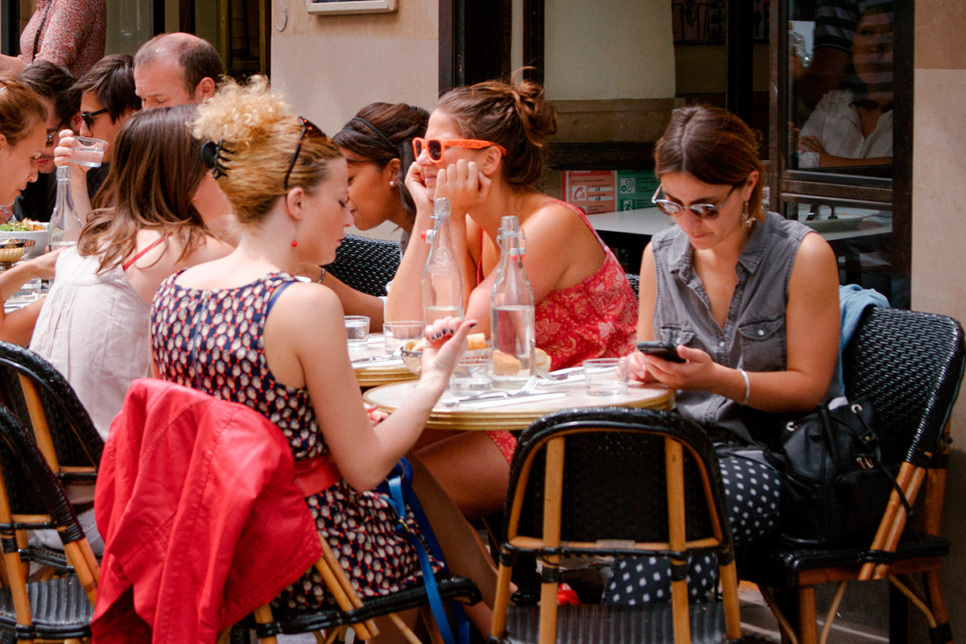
<point>700,210</point>
<point>436,148</point>
<point>88,117</point>
<point>308,129</point>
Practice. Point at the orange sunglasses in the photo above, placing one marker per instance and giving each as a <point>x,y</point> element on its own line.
<point>436,148</point>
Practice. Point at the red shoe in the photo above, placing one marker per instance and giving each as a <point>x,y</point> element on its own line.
<point>567,596</point>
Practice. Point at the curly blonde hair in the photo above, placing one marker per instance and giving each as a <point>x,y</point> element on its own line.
<point>259,133</point>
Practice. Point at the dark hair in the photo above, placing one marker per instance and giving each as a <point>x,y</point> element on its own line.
<point>381,132</point>
<point>516,115</point>
<point>20,108</point>
<point>111,80</point>
<point>55,83</point>
<point>198,58</point>
<point>714,146</point>
<point>152,180</point>
<point>259,134</point>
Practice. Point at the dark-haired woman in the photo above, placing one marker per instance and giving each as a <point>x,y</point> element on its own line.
<point>93,327</point>
<point>377,144</point>
<point>483,150</point>
<point>750,300</point>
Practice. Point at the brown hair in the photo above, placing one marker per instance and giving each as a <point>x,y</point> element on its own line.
<point>258,134</point>
<point>55,83</point>
<point>198,58</point>
<point>20,108</point>
<point>111,80</point>
<point>381,132</point>
<point>714,146</point>
<point>151,182</point>
<point>516,115</point>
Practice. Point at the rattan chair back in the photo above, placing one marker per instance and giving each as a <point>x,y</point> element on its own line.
<point>366,264</point>
<point>615,482</point>
<point>56,608</point>
<point>40,398</point>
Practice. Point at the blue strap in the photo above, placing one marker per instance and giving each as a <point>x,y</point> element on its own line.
<point>400,489</point>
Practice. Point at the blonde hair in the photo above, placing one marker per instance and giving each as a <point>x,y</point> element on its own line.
<point>258,132</point>
<point>20,108</point>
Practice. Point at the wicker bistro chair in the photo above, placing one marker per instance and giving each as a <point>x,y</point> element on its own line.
<point>366,264</point>
<point>32,497</point>
<point>615,482</point>
<point>910,366</point>
<point>42,400</point>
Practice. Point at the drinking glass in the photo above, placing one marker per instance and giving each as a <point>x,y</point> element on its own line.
<point>471,375</point>
<point>89,151</point>
<point>606,376</point>
<point>357,331</point>
<point>397,334</point>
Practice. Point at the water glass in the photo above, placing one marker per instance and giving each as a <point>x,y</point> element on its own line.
<point>89,151</point>
<point>397,334</point>
<point>606,376</point>
<point>471,375</point>
<point>357,331</point>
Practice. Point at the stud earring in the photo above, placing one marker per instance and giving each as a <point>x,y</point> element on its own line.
<point>295,243</point>
<point>392,184</point>
<point>746,219</point>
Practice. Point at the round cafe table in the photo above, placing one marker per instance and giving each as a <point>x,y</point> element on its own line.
<point>520,413</point>
<point>374,374</point>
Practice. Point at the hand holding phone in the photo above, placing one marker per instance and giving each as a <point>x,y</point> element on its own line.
<point>664,350</point>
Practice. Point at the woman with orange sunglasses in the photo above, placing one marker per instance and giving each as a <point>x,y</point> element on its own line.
<point>483,150</point>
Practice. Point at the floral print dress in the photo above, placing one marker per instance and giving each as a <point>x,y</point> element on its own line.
<point>212,340</point>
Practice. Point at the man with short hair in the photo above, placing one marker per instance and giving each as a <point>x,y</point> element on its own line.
<point>175,69</point>
<point>53,83</point>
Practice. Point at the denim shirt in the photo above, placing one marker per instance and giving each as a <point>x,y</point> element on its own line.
<point>754,334</point>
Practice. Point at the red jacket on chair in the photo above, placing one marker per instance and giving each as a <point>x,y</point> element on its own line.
<point>201,519</point>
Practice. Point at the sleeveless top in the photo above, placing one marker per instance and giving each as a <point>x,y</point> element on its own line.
<point>94,329</point>
<point>754,334</point>
<point>593,319</point>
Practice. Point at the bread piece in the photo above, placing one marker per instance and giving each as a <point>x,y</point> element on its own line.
<point>476,341</point>
<point>505,364</point>
<point>543,360</point>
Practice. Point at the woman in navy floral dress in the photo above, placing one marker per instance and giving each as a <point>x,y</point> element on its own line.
<point>242,328</point>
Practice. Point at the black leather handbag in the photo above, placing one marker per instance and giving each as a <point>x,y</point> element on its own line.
<point>834,485</point>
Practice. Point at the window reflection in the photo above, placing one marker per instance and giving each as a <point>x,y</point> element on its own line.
<point>841,66</point>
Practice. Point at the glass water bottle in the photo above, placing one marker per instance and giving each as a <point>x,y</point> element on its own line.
<point>511,311</point>
<point>442,276</point>
<point>64,221</point>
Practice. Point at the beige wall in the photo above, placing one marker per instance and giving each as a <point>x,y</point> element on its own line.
<point>621,49</point>
<point>330,66</point>
<point>939,233</point>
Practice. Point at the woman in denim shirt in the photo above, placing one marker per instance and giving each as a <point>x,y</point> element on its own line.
<point>750,300</point>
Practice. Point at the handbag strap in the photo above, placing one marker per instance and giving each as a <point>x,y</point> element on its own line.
<point>399,484</point>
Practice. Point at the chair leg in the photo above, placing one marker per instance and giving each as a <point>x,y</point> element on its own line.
<point>263,615</point>
<point>807,616</point>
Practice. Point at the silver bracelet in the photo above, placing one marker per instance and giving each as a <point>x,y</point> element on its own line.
<point>319,281</point>
<point>747,387</point>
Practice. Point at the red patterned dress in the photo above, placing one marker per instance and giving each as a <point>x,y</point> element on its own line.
<point>594,319</point>
<point>211,340</point>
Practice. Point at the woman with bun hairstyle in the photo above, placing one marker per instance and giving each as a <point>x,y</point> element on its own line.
<point>484,151</point>
<point>287,184</point>
<point>377,144</point>
<point>23,118</point>
<point>751,302</point>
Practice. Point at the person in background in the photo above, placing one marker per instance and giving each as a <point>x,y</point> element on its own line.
<point>22,138</point>
<point>483,150</point>
<point>53,83</point>
<point>107,101</point>
<point>94,324</point>
<point>288,183</point>
<point>377,144</point>
<point>750,300</point>
<point>71,33</point>
<point>179,69</point>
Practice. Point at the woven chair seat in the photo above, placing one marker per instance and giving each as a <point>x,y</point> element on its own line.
<point>451,587</point>
<point>366,264</point>
<point>59,607</point>
<point>600,624</point>
<point>779,566</point>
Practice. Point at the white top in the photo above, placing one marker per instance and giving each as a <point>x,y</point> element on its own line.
<point>95,330</point>
<point>835,123</point>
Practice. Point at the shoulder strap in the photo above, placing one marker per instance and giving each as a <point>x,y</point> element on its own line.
<point>126,265</point>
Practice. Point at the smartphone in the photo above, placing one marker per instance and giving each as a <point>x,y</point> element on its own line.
<point>664,350</point>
